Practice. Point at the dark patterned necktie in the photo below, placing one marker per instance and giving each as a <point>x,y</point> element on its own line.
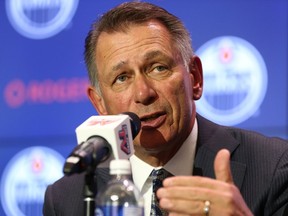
<point>157,178</point>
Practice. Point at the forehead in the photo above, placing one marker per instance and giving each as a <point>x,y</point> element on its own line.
<point>134,35</point>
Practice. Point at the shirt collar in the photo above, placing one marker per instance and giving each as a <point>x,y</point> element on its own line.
<point>180,164</point>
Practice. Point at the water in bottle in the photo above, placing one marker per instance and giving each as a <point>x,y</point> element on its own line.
<point>120,197</point>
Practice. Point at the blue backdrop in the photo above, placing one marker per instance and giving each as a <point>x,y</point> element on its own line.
<point>43,78</point>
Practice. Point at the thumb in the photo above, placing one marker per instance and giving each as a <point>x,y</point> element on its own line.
<point>222,166</point>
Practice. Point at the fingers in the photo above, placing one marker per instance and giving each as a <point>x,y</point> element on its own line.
<point>186,195</point>
<point>182,207</point>
<point>193,181</point>
<point>222,166</point>
<point>187,199</point>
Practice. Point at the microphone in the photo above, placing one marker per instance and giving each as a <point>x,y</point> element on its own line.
<point>101,139</point>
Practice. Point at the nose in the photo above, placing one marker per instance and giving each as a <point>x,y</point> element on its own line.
<point>144,91</point>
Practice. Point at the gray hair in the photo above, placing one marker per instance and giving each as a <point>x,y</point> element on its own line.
<point>121,17</point>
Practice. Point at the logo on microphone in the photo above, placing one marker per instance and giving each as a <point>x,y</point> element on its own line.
<point>123,136</point>
<point>101,122</point>
<point>25,179</point>
<point>40,19</point>
<point>235,80</point>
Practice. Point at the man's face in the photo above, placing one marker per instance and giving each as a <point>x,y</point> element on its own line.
<point>141,72</point>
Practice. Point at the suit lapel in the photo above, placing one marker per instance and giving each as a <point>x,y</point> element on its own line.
<point>102,177</point>
<point>211,139</point>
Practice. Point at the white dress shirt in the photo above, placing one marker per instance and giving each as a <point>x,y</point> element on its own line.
<point>180,164</point>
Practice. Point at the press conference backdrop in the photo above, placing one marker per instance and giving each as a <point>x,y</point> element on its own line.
<point>242,43</point>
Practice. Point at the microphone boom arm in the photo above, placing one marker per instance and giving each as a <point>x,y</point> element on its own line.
<point>87,155</point>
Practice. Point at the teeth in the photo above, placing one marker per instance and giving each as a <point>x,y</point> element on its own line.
<point>150,117</point>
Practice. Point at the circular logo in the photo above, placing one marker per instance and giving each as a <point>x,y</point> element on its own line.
<point>235,80</point>
<point>25,179</point>
<point>40,19</point>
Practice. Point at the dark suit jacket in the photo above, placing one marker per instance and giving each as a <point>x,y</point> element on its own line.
<point>259,167</point>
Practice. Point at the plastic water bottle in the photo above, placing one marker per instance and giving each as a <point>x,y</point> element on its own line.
<point>120,197</point>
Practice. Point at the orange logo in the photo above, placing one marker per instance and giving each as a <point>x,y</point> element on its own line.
<point>101,122</point>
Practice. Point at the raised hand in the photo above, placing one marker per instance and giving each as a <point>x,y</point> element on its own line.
<point>186,195</point>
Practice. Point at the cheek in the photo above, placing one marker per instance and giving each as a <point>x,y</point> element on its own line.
<point>181,99</point>
<point>117,103</point>
<point>185,89</point>
<point>180,91</point>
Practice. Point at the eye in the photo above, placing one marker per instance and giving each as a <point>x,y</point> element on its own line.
<point>121,78</point>
<point>160,71</point>
<point>160,68</point>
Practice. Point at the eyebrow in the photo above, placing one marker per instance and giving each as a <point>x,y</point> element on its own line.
<point>119,65</point>
<point>147,56</point>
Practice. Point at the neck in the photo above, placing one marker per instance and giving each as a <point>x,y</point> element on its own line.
<point>154,158</point>
<point>159,156</point>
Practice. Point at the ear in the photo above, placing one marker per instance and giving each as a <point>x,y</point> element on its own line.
<point>197,77</point>
<point>97,100</point>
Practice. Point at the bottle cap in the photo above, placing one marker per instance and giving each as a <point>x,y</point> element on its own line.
<point>120,166</point>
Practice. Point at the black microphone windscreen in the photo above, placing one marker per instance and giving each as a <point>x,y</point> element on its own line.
<point>135,123</point>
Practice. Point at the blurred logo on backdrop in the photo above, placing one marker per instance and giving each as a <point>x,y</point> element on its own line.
<point>17,92</point>
<point>235,80</point>
<point>25,179</point>
<point>40,19</point>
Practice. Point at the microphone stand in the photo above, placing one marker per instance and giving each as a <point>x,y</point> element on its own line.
<point>90,184</point>
<point>90,191</point>
<point>86,157</point>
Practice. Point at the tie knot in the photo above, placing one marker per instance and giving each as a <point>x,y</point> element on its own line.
<point>160,174</point>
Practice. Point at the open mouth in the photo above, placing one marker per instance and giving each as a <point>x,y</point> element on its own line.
<point>153,121</point>
<point>150,117</point>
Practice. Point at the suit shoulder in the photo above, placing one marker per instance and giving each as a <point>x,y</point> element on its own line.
<point>255,138</point>
<point>67,186</point>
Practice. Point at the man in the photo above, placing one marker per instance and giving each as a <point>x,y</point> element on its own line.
<point>140,59</point>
